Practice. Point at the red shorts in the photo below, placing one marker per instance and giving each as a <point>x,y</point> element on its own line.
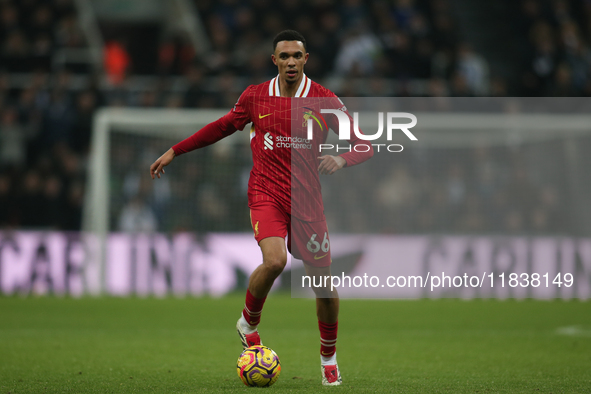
<point>307,241</point>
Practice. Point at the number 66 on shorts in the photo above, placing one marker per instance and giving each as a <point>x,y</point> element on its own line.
<point>310,242</point>
<point>315,247</point>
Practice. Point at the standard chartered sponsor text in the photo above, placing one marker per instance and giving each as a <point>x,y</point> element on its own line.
<point>293,142</point>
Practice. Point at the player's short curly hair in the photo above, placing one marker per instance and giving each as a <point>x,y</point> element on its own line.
<point>289,35</point>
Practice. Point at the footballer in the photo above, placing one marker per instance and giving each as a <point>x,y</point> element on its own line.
<point>272,187</point>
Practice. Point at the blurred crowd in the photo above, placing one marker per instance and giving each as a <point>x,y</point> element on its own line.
<point>403,40</point>
<point>44,126</point>
<point>358,48</point>
<point>31,31</point>
<point>355,38</point>
<point>44,142</point>
<point>553,39</point>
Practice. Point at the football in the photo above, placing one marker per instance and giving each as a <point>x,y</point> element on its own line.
<point>258,366</point>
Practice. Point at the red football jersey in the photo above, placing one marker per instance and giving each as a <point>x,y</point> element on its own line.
<point>285,165</point>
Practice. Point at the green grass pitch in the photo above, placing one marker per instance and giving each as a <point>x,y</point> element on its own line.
<point>111,345</point>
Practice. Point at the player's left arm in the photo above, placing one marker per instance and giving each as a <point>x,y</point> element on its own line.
<point>330,164</point>
<point>360,151</point>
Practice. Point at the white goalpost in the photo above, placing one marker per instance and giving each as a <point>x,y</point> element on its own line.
<point>176,124</point>
<point>157,122</point>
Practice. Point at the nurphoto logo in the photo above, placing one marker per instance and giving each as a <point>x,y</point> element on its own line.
<point>345,129</point>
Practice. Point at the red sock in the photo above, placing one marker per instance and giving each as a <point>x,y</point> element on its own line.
<point>252,308</point>
<point>328,338</point>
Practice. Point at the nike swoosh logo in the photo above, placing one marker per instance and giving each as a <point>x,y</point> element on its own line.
<point>325,354</point>
<point>318,258</point>
<point>263,116</point>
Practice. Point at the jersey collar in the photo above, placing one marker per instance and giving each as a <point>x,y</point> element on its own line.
<point>302,91</point>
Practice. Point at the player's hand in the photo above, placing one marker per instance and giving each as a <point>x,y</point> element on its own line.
<point>157,167</point>
<point>330,164</point>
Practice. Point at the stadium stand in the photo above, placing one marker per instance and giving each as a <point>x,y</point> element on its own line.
<point>553,39</point>
<point>359,48</point>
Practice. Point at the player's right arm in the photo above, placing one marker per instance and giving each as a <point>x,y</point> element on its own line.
<point>234,120</point>
<point>157,167</point>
